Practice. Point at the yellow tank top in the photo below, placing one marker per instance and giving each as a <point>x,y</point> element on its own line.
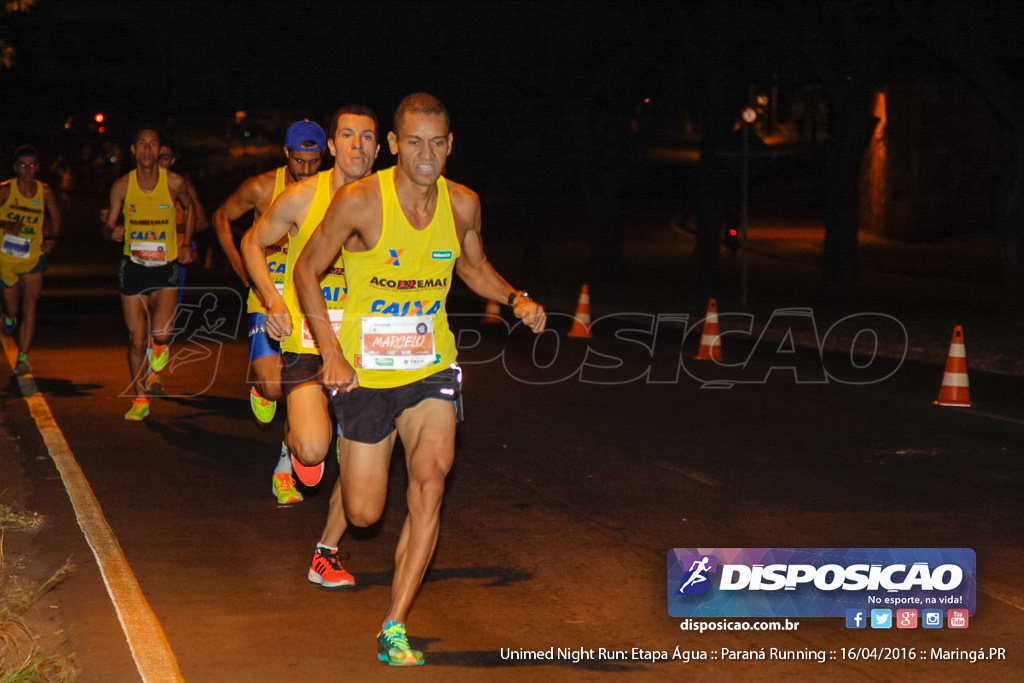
<point>301,339</point>
<point>395,330</point>
<point>150,227</point>
<point>277,255</point>
<point>24,246</point>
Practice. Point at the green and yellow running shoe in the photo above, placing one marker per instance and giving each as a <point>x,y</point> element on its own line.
<point>262,408</point>
<point>139,410</point>
<point>393,646</point>
<point>154,384</point>
<point>284,488</point>
<point>22,367</point>
<point>158,355</point>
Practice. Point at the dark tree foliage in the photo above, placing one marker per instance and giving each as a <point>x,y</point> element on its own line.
<point>982,41</point>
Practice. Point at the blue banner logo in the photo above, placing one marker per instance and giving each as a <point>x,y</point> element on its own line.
<point>819,582</point>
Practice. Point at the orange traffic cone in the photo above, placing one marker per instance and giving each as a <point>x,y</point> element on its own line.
<point>710,340</point>
<point>581,323</point>
<point>954,391</point>
<point>492,314</point>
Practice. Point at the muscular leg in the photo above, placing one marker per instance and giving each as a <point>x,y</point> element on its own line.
<point>309,424</point>
<point>428,433</point>
<point>268,376</point>
<point>162,304</point>
<point>337,523</point>
<point>363,473</point>
<point>31,284</point>
<point>136,317</point>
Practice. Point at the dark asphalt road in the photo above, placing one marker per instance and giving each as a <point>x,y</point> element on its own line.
<point>567,493</point>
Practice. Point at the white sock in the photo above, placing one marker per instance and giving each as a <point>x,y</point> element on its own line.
<point>284,463</point>
<point>326,547</point>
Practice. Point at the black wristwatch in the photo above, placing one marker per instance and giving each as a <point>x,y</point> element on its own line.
<point>516,295</point>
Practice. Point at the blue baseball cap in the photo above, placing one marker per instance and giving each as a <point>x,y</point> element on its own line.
<point>302,134</point>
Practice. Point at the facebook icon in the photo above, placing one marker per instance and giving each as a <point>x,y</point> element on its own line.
<point>856,618</point>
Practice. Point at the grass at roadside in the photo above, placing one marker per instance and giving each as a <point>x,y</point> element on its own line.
<point>21,658</point>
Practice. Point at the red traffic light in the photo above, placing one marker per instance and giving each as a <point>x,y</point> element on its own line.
<point>99,118</point>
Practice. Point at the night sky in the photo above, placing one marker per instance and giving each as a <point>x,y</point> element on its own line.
<point>149,60</point>
<point>554,90</point>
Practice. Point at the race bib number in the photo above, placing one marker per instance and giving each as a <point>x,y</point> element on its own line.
<point>308,340</point>
<point>404,343</point>
<point>149,253</point>
<point>16,246</point>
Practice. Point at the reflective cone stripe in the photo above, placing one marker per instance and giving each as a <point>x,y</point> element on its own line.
<point>492,314</point>
<point>581,323</point>
<point>710,340</point>
<point>954,391</point>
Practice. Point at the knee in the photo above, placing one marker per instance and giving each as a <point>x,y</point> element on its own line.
<point>138,342</point>
<point>309,451</point>
<point>362,513</point>
<point>270,390</point>
<point>425,493</point>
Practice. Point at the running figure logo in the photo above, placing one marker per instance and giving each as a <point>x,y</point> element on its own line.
<point>695,581</point>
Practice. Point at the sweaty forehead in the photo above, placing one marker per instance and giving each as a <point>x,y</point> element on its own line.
<point>423,125</point>
<point>356,122</point>
<point>148,136</point>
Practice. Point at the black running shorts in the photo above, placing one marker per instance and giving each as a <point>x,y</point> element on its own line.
<point>369,415</point>
<point>135,279</point>
<point>299,368</point>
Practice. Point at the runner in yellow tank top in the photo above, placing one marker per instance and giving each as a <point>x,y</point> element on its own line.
<point>305,142</point>
<point>148,277</point>
<point>396,317</point>
<point>417,403</point>
<point>294,215</point>
<point>29,225</point>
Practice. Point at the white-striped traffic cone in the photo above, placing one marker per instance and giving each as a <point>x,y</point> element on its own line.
<point>955,391</point>
<point>710,339</point>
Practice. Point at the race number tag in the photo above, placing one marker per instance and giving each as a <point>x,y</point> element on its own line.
<point>402,343</point>
<point>149,253</point>
<point>309,340</point>
<point>16,246</point>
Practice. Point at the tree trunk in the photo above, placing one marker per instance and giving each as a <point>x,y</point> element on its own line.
<point>852,127</point>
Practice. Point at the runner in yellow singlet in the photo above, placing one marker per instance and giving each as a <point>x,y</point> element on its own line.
<point>304,146</point>
<point>29,226</point>
<point>148,276</point>
<point>294,215</point>
<point>402,233</point>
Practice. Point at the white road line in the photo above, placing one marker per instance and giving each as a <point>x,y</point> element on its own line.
<point>993,416</point>
<point>692,474</point>
<point>150,649</point>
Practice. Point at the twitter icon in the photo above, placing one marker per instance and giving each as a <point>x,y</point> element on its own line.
<point>881,618</point>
